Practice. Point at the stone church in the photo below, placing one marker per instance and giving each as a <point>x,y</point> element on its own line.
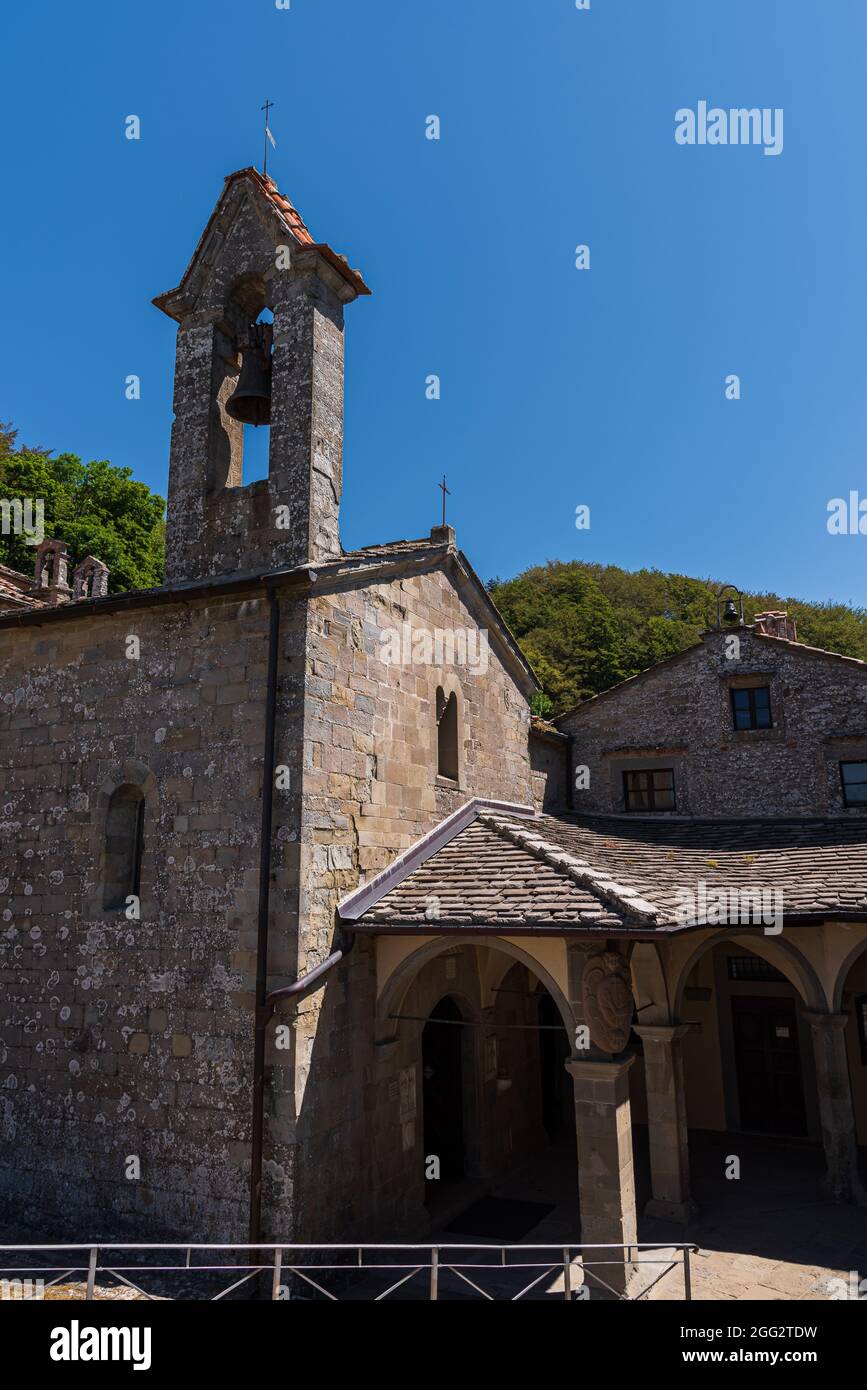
<point>297,897</point>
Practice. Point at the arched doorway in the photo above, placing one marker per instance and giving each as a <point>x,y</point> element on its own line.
<point>748,1057</point>
<point>443,1096</point>
<point>558,1098</point>
<point>750,1093</point>
<point>460,1078</point>
<point>850,1001</point>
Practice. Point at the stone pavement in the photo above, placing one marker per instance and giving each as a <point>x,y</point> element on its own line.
<point>769,1235</point>
<point>772,1233</point>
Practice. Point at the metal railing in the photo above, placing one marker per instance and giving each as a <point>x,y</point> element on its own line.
<point>427,1271</point>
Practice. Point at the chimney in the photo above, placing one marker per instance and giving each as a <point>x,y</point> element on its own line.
<point>776,623</point>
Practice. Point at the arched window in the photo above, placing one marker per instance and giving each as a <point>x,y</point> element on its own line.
<point>447,735</point>
<point>124,833</point>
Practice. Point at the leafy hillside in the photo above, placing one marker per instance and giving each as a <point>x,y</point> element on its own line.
<point>97,508</point>
<point>584,627</point>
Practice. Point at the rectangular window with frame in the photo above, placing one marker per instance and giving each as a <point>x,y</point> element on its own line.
<point>854,779</point>
<point>753,968</point>
<point>650,790</point>
<point>751,707</point>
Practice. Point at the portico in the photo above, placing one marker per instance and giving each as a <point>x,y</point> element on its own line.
<point>657,1018</point>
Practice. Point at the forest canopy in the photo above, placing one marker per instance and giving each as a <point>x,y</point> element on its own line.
<point>96,508</point>
<point>584,627</point>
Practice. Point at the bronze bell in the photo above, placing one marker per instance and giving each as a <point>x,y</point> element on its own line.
<point>250,402</point>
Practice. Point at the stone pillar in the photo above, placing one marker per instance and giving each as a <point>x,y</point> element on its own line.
<point>666,1122</point>
<point>835,1107</point>
<point>606,1182</point>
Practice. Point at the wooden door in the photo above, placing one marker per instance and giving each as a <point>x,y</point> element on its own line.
<point>768,1062</point>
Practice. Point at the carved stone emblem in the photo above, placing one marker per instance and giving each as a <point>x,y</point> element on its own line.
<point>608,1003</point>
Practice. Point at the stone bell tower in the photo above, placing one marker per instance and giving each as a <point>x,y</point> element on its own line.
<point>254,255</point>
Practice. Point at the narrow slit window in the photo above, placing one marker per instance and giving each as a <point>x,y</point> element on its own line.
<point>447,735</point>
<point>124,843</point>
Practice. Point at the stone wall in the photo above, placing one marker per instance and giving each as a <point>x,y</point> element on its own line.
<point>549,762</point>
<point>679,715</point>
<point>128,1039</point>
<point>121,1038</point>
<point>370,790</point>
<point>382,1152</point>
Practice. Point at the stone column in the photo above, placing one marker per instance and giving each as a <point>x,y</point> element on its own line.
<point>666,1122</point>
<point>836,1113</point>
<point>606,1182</point>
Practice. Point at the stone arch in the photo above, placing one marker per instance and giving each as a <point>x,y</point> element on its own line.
<point>649,986</point>
<point>246,297</point>
<point>130,773</point>
<point>782,954</point>
<point>391,996</point>
<point>468,1007</point>
<point>137,777</point>
<point>400,980</point>
<point>843,973</point>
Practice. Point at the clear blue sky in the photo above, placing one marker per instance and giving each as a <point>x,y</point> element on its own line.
<point>559,387</point>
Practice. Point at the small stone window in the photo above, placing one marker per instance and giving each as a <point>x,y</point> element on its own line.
<point>447,735</point>
<point>854,779</point>
<point>651,790</point>
<point>124,838</point>
<point>751,707</point>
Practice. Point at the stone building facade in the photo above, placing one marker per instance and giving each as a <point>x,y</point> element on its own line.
<point>678,715</point>
<point>130,1037</point>
<point>275,832</point>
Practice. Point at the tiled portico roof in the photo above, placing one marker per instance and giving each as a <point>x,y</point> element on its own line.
<point>481,878</point>
<point>820,865</point>
<point>591,874</point>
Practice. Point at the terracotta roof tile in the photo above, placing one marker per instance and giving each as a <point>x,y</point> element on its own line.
<point>16,590</point>
<point>177,301</point>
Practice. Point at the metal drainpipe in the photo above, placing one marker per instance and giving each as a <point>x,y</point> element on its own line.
<point>306,982</point>
<point>263,1012</point>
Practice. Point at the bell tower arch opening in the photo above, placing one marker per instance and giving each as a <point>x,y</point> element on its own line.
<point>250,402</point>
<point>259,352</point>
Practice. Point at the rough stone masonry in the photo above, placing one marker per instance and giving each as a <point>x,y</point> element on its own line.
<point>131,1038</point>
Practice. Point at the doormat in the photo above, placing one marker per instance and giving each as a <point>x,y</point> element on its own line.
<point>499,1218</point>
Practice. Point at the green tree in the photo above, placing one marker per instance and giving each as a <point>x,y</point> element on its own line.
<point>584,627</point>
<point>96,508</point>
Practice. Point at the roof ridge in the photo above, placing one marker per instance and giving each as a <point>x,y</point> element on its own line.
<point>807,647</point>
<point>626,900</point>
<point>357,902</point>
